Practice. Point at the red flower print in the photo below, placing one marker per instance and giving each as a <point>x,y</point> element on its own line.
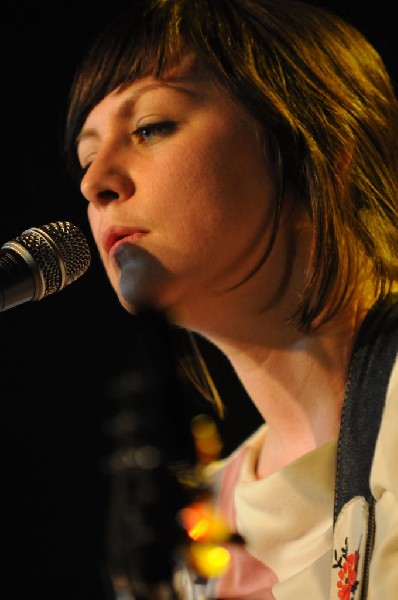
<point>347,573</point>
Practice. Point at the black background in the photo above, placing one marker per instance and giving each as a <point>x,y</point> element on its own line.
<point>57,355</point>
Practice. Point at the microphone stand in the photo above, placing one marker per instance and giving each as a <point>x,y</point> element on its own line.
<point>153,458</point>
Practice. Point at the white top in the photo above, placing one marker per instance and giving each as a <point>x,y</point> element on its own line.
<point>287,519</point>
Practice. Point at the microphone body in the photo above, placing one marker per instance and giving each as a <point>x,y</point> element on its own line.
<point>41,261</point>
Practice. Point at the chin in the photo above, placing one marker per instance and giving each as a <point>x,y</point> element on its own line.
<point>140,302</point>
<point>125,304</point>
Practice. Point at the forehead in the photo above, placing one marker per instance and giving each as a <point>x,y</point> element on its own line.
<point>181,71</point>
<point>186,76</point>
<point>185,65</point>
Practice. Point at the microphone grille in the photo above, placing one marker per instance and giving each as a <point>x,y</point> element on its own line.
<point>60,251</point>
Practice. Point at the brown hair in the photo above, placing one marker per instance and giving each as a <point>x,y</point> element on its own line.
<point>322,97</point>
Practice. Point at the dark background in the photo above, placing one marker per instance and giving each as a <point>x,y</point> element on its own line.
<point>58,355</point>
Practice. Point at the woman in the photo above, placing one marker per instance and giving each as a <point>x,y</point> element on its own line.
<point>240,163</point>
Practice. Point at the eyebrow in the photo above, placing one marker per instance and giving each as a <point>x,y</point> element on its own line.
<point>125,107</point>
<point>124,110</point>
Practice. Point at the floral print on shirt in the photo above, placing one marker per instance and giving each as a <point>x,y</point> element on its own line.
<point>347,563</point>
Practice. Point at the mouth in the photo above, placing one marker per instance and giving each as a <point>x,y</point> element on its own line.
<point>113,237</point>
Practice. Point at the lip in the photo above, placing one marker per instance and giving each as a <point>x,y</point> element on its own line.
<point>116,235</point>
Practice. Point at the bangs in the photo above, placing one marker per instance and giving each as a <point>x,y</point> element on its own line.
<point>131,47</point>
<point>148,38</point>
<point>153,35</point>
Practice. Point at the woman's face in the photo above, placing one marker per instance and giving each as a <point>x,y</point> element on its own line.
<point>180,194</point>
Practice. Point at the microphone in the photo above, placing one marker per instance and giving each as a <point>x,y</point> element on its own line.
<point>41,261</point>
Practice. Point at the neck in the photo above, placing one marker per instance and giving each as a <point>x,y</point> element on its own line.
<point>297,385</point>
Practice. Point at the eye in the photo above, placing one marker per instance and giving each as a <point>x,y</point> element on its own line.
<point>82,170</point>
<point>152,131</point>
<point>84,163</point>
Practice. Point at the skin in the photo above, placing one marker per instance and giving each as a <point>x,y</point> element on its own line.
<point>196,197</point>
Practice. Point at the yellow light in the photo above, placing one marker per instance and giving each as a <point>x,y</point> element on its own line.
<point>207,439</point>
<point>209,560</point>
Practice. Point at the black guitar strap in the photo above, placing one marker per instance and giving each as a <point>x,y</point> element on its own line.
<point>374,354</point>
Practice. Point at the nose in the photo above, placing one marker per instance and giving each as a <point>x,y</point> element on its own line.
<point>105,181</point>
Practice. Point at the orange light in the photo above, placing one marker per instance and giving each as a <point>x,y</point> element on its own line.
<point>200,530</point>
<point>202,523</point>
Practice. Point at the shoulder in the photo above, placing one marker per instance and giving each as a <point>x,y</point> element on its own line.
<point>384,469</point>
<point>384,473</point>
<point>383,581</point>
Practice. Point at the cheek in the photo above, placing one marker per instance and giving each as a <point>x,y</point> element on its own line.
<point>221,188</point>
<point>223,206</point>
